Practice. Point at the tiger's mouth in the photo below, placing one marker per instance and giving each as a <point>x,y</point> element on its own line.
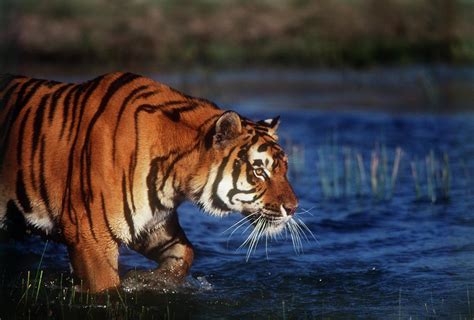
<point>269,224</point>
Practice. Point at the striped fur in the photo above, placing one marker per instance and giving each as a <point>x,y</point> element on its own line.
<point>108,161</point>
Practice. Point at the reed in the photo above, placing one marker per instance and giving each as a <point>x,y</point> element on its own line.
<point>437,176</point>
<point>416,181</point>
<point>352,180</point>
<point>323,176</point>
<point>348,179</point>
<point>37,298</point>
<point>374,165</point>
<point>395,169</point>
<point>342,172</point>
<point>296,156</point>
<point>384,180</point>
<point>446,176</point>
<point>362,175</point>
<point>335,171</point>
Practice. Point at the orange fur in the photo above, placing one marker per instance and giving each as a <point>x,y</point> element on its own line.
<point>108,161</point>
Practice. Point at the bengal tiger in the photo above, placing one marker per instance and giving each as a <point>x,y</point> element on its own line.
<point>108,161</point>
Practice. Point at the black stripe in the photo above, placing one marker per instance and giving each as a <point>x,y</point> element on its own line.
<point>209,138</point>
<point>216,201</point>
<point>236,170</point>
<point>38,121</point>
<point>120,114</point>
<point>78,95</point>
<point>146,95</point>
<point>3,128</point>
<point>154,203</point>
<point>54,101</point>
<point>170,167</point>
<point>126,208</point>
<point>42,180</point>
<point>264,146</point>
<point>51,83</point>
<point>66,106</point>
<point>19,97</point>
<point>68,186</point>
<point>131,179</point>
<point>23,89</point>
<point>21,101</point>
<point>148,109</point>
<point>6,97</point>
<point>21,194</point>
<point>175,114</point>
<point>255,198</point>
<point>21,134</point>
<point>85,160</point>
<point>118,83</point>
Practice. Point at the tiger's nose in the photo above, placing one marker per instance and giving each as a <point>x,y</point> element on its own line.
<point>289,210</point>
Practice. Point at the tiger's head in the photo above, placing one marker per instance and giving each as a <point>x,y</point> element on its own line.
<point>246,172</point>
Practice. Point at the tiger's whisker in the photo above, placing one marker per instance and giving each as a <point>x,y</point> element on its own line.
<point>301,222</point>
<point>254,238</point>
<point>241,221</point>
<point>249,238</point>
<point>301,231</point>
<point>296,232</point>
<point>308,211</point>
<point>266,245</point>
<point>292,237</point>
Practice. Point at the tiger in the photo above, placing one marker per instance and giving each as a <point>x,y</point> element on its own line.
<point>107,162</point>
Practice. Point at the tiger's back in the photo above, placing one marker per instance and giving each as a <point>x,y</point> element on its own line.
<point>57,143</point>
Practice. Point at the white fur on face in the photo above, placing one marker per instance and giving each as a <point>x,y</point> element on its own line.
<point>206,197</point>
<point>265,157</point>
<point>240,201</point>
<point>275,229</point>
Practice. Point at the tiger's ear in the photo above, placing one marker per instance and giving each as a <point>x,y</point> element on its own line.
<point>228,127</point>
<point>271,125</point>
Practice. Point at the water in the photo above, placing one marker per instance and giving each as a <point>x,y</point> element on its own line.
<point>390,257</point>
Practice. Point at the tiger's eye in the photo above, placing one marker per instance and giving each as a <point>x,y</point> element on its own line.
<point>259,171</point>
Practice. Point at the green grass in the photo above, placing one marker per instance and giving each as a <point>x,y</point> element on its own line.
<point>35,298</point>
<point>39,299</point>
<point>437,175</point>
<point>352,179</point>
<point>345,172</point>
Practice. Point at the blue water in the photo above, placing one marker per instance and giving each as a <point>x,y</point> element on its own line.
<point>390,257</point>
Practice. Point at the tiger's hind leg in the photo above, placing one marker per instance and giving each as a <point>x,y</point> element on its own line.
<point>168,246</point>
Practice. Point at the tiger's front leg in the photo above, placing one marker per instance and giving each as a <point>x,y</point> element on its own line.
<point>168,246</point>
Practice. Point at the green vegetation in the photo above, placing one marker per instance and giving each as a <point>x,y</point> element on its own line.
<point>438,177</point>
<point>233,33</point>
<point>342,172</point>
<point>353,180</point>
<point>36,299</point>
